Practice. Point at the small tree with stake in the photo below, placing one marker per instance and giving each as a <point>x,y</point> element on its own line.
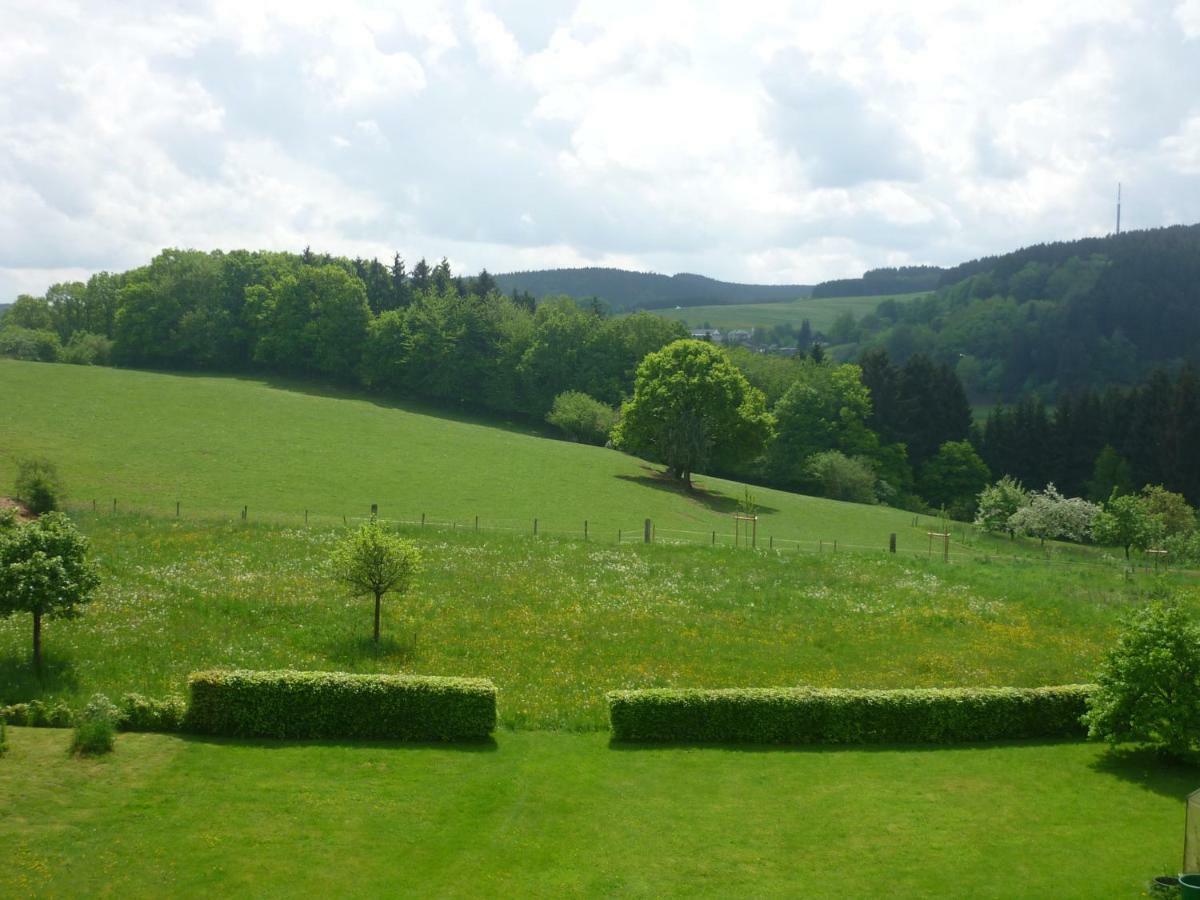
<point>373,561</point>
<point>44,570</point>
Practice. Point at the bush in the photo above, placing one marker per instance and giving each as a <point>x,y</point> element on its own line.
<point>37,714</point>
<point>38,485</point>
<point>1149,684</point>
<point>138,713</point>
<point>839,477</point>
<point>8,518</point>
<point>582,418</point>
<point>829,716</point>
<point>338,705</point>
<point>96,728</point>
<point>87,349</point>
<point>29,344</point>
<point>3,736</point>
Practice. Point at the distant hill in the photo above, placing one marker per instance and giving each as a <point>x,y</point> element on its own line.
<point>882,282</point>
<point>1057,318</point>
<point>622,289</point>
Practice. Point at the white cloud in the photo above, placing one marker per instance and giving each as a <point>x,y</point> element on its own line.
<point>774,141</point>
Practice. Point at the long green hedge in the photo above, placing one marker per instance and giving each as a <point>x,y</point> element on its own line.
<point>830,716</point>
<point>289,704</point>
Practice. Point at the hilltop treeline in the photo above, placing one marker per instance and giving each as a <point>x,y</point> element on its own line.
<point>422,333</point>
<point>623,290</point>
<point>880,282</point>
<point>1053,319</point>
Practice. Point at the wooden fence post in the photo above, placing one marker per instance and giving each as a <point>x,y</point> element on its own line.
<point>374,510</point>
<point>535,527</point>
<point>585,534</point>
<point>892,543</point>
<point>648,537</point>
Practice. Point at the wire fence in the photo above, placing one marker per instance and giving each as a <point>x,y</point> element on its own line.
<point>935,538</point>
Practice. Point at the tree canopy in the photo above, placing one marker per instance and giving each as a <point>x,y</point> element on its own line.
<point>691,407</point>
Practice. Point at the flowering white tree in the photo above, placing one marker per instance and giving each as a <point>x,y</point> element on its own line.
<point>1051,515</point>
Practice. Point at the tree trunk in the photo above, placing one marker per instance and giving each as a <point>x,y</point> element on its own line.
<point>37,639</point>
<point>378,597</point>
<point>1127,551</point>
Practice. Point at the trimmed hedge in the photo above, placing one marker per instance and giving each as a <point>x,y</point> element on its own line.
<point>830,716</point>
<point>138,713</point>
<point>289,704</point>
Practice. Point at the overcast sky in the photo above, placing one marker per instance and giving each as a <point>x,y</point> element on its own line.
<point>751,140</point>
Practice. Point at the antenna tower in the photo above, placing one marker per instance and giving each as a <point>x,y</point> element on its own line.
<point>1118,207</point>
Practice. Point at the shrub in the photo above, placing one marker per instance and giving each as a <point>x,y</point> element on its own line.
<point>829,716</point>
<point>8,518</point>
<point>338,705</point>
<point>1149,684</point>
<point>30,344</point>
<point>38,485</point>
<point>840,477</point>
<point>582,418</point>
<point>87,349</point>
<point>37,714</point>
<point>96,728</point>
<point>138,713</point>
<point>3,736</point>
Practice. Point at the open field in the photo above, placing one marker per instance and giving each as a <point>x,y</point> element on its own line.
<point>216,444</point>
<point>820,312</point>
<point>564,815</point>
<point>556,623</point>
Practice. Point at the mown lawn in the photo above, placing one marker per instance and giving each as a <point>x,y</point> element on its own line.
<point>550,815</point>
<point>557,623</point>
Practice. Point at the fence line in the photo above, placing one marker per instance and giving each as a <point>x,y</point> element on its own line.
<point>648,533</point>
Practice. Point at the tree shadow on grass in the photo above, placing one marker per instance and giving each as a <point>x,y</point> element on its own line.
<point>1150,770</point>
<point>20,682</point>
<point>479,745</point>
<point>712,500</point>
<point>362,651</point>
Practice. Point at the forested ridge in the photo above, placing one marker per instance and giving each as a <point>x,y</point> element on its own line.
<point>621,289</point>
<point>1053,319</point>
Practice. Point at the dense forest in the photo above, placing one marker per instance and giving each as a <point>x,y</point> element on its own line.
<point>881,282</point>
<point>1052,319</point>
<point>624,290</point>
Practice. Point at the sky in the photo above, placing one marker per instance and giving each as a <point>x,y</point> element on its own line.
<point>754,141</point>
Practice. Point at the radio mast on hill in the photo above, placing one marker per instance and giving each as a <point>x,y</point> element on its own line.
<point>1118,207</point>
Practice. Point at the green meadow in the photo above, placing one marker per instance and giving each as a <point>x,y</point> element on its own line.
<point>820,312</point>
<point>556,622</point>
<point>218,444</point>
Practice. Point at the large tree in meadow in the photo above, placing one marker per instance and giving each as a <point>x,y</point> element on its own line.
<point>691,408</point>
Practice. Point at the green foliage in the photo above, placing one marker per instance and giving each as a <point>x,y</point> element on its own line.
<point>295,705</point>
<point>8,518</point>
<point>1171,510</point>
<point>839,477</point>
<point>831,716</point>
<point>45,571</point>
<point>38,485</point>
<point>998,503</point>
<point>1111,474</point>
<point>138,713</point>
<point>32,345</point>
<point>953,479</point>
<point>1126,521</point>
<point>373,561</point>
<point>691,407</point>
<point>1149,683</point>
<point>87,349</point>
<point>96,728</point>
<point>38,714</point>
<point>3,735</point>
<point>582,418</point>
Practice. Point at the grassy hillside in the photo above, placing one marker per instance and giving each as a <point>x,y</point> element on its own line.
<point>548,815</point>
<point>216,444</point>
<point>820,312</point>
